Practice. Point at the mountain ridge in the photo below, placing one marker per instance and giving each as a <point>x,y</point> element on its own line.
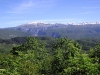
<point>59,30</point>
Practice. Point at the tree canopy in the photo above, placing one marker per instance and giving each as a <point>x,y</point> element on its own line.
<point>34,58</point>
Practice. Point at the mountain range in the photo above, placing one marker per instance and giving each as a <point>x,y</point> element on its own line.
<point>52,30</point>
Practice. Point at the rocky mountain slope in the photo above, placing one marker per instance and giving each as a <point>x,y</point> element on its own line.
<point>59,30</point>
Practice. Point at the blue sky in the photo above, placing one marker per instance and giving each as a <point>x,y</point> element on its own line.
<point>17,12</point>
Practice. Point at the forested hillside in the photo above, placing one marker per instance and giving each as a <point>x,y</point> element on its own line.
<point>6,45</point>
<point>7,33</point>
<point>38,56</point>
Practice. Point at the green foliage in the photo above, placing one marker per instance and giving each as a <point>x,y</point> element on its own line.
<point>81,66</point>
<point>64,50</point>
<point>20,65</point>
<point>66,47</point>
<point>95,54</point>
<point>31,44</point>
<point>6,48</point>
<point>34,58</point>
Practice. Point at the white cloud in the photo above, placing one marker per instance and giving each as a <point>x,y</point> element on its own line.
<point>21,7</point>
<point>85,13</point>
<point>59,20</point>
<point>26,5</point>
<point>31,5</point>
<point>17,22</point>
<point>90,7</point>
<point>8,17</point>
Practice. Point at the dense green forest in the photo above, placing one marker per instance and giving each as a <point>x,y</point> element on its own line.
<point>49,56</point>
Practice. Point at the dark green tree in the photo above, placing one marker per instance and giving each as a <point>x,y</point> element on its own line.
<point>64,50</point>
<point>95,54</point>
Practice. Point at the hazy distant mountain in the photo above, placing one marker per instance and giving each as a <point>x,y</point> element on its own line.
<point>58,30</point>
<point>38,29</point>
<point>11,33</point>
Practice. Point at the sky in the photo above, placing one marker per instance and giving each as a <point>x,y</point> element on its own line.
<point>17,12</point>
